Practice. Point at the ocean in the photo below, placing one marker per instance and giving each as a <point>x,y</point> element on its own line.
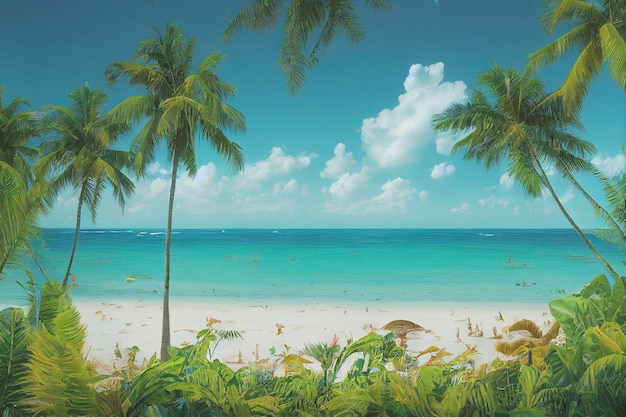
<point>325,266</point>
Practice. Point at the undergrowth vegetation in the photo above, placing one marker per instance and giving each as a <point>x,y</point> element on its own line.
<point>577,368</point>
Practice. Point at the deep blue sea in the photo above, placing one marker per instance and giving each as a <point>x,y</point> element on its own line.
<point>326,266</point>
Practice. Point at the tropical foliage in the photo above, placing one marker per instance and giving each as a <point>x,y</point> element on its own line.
<point>310,28</point>
<point>179,105</point>
<point>598,30</point>
<point>43,371</point>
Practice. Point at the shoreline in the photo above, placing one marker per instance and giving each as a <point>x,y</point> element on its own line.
<point>288,327</point>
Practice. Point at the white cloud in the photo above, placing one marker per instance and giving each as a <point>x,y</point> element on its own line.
<point>155,168</point>
<point>464,209</point>
<point>277,164</point>
<point>395,195</point>
<point>611,166</point>
<point>338,164</point>
<point>506,181</point>
<point>423,195</point>
<point>289,188</point>
<point>347,183</point>
<point>444,144</point>
<point>493,202</point>
<point>442,170</point>
<point>393,137</point>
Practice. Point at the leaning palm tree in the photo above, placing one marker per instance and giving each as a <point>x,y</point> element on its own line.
<point>523,127</point>
<point>304,19</point>
<point>179,104</point>
<point>598,31</point>
<point>81,156</point>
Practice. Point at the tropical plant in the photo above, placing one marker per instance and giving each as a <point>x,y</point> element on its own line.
<point>42,367</point>
<point>523,127</point>
<point>310,28</point>
<point>598,31</point>
<point>17,127</point>
<point>179,104</point>
<point>20,207</point>
<point>81,155</point>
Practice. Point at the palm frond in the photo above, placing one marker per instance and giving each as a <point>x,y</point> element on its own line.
<point>613,45</point>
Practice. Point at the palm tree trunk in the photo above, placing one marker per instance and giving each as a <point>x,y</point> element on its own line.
<point>165,331</point>
<point>571,221</point>
<point>76,235</point>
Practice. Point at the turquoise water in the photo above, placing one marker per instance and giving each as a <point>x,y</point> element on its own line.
<point>353,265</point>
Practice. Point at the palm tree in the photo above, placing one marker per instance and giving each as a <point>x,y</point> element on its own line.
<point>22,197</point>
<point>599,32</point>
<point>179,104</point>
<point>17,127</point>
<point>81,156</point>
<point>303,17</point>
<point>523,127</point>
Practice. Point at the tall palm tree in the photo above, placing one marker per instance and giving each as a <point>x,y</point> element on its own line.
<point>598,31</point>
<point>523,127</point>
<point>304,19</point>
<point>81,156</point>
<point>179,104</point>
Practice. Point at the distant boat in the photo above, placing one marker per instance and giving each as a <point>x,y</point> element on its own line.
<point>487,234</point>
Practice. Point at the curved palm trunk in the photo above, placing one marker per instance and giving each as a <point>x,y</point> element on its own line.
<point>605,214</point>
<point>571,221</point>
<point>76,235</point>
<point>165,331</point>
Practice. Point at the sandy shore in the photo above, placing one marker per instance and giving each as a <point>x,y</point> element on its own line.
<point>290,326</point>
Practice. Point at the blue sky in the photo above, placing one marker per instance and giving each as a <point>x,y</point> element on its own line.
<point>354,148</point>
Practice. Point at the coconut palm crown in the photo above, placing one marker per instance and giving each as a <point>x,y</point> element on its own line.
<point>179,105</point>
<point>525,129</point>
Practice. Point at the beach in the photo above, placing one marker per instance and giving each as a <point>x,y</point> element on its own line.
<point>270,330</point>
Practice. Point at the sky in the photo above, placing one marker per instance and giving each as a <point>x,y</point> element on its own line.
<point>354,148</point>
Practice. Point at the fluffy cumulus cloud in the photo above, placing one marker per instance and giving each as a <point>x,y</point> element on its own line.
<point>339,164</point>
<point>277,164</point>
<point>348,183</point>
<point>394,196</point>
<point>464,209</point>
<point>611,166</point>
<point>506,181</point>
<point>289,188</point>
<point>394,136</point>
<point>423,195</point>
<point>442,170</point>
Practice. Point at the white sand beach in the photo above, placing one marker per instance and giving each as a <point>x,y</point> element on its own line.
<point>290,326</point>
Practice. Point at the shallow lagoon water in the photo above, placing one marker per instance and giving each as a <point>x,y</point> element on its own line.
<point>326,266</point>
